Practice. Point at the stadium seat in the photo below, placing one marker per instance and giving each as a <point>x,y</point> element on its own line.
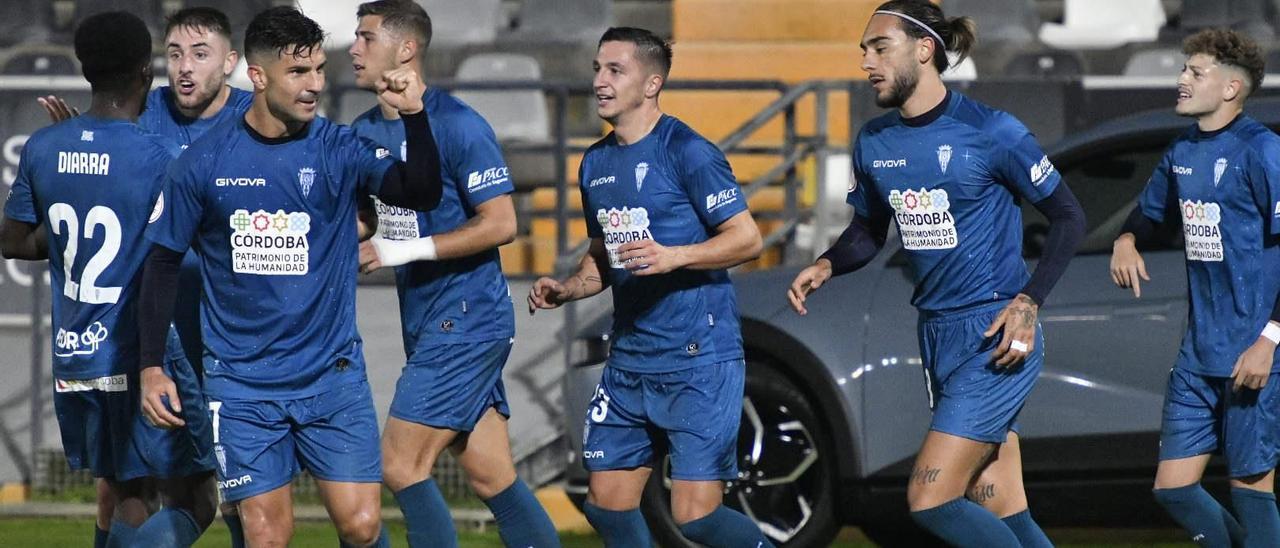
<point>456,23</point>
<point>1007,21</point>
<point>964,71</point>
<point>572,21</point>
<point>1104,24</point>
<point>515,114</point>
<point>1047,64</point>
<point>1155,62</point>
<point>40,59</point>
<point>336,17</point>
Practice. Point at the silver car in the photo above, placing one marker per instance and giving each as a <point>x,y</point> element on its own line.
<point>835,405</point>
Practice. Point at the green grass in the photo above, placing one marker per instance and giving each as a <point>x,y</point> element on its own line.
<point>57,532</point>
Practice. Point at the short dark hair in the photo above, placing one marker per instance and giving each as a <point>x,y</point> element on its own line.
<point>401,17</point>
<point>200,18</point>
<point>959,33</point>
<point>113,48</point>
<point>280,30</point>
<point>650,49</point>
<point>1229,47</point>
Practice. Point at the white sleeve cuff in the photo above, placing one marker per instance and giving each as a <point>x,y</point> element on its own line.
<point>1272,332</point>
<point>399,252</point>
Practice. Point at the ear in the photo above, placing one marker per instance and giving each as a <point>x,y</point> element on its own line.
<point>408,51</point>
<point>258,77</point>
<point>654,86</point>
<point>229,65</point>
<point>924,52</point>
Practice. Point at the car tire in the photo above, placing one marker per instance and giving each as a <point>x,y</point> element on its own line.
<point>794,511</point>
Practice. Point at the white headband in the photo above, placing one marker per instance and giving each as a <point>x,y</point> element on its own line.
<point>941,43</point>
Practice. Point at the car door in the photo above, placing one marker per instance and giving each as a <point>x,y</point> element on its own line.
<point>1108,354</point>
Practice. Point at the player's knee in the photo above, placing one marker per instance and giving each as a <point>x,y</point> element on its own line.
<point>399,472</point>
<point>260,530</point>
<point>360,528</point>
<point>488,482</point>
<point>923,496</point>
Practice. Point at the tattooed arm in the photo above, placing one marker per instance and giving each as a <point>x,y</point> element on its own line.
<point>589,280</point>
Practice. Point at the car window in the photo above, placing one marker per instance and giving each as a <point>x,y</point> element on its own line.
<point>1107,184</point>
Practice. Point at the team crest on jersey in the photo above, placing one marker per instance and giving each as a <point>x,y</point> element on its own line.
<point>623,226</point>
<point>1219,167</point>
<point>944,157</point>
<point>642,169</point>
<point>924,219</point>
<point>1202,235</point>
<point>270,244</point>
<point>306,178</point>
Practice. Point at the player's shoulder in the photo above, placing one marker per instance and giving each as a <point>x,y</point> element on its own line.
<point>240,100</point>
<point>1000,126</point>
<point>871,128</point>
<point>453,116</point>
<point>1259,137</point>
<point>685,145</point>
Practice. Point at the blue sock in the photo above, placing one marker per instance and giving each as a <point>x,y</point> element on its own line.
<point>235,528</point>
<point>1027,530</point>
<point>521,520</point>
<point>725,528</point>
<point>1198,513</point>
<point>426,516</point>
<point>962,523</point>
<point>381,542</point>
<point>168,527</point>
<point>1258,515</point>
<point>625,529</point>
<point>99,537</point>
<point>121,535</point>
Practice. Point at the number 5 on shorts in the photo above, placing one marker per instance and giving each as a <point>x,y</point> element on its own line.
<point>599,405</point>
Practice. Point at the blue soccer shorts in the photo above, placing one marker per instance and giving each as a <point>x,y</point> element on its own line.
<point>262,445</point>
<point>1203,415</point>
<point>693,413</point>
<point>103,429</point>
<point>456,387</point>
<point>971,397</point>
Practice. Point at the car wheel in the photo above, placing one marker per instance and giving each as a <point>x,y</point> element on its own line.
<point>786,469</point>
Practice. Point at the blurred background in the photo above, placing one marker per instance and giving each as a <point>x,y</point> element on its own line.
<point>776,83</point>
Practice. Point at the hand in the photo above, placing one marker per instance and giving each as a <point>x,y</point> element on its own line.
<point>648,257</point>
<point>1127,265</point>
<point>806,282</point>
<point>156,387</point>
<point>547,294</point>
<point>1019,323</point>
<point>402,89</point>
<point>57,108</point>
<point>366,224</point>
<point>1253,368</point>
<point>369,259</point>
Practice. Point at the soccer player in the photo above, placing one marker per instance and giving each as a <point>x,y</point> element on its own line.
<point>666,219</point>
<point>1219,180</point>
<point>268,202</point>
<point>455,307</point>
<point>951,171</point>
<point>90,183</point>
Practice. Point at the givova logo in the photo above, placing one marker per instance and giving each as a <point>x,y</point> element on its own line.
<point>232,483</point>
<point>621,226</point>
<point>270,244</point>
<point>924,218</point>
<point>1202,236</point>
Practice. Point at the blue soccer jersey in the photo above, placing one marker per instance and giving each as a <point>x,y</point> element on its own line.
<point>273,221</point>
<point>952,184</point>
<point>163,118</point>
<point>1225,188</point>
<point>92,182</point>
<point>458,300</point>
<point>673,187</point>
